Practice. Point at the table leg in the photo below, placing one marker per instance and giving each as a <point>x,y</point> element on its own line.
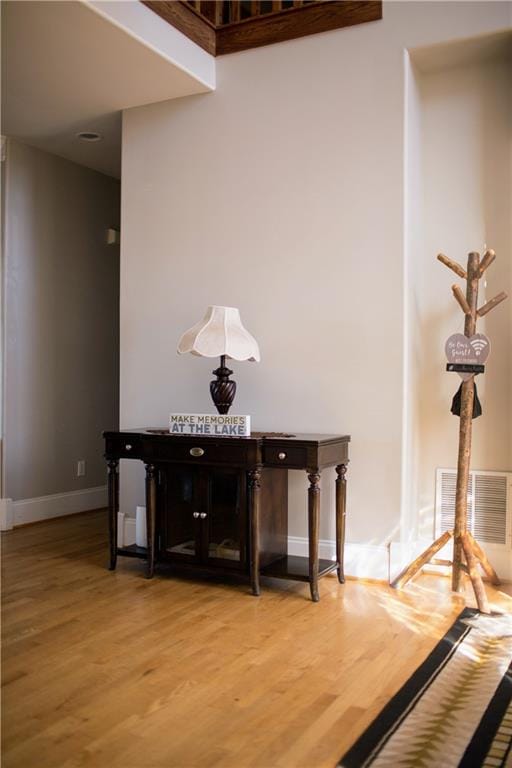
<point>341,501</point>
<point>150,517</point>
<point>254,512</point>
<point>113,509</point>
<point>314,532</point>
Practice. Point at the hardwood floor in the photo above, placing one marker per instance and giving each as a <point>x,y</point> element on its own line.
<point>109,670</point>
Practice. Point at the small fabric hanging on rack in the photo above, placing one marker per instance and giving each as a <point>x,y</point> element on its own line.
<point>477,407</point>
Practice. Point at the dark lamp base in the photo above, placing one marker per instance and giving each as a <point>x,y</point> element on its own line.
<point>223,389</point>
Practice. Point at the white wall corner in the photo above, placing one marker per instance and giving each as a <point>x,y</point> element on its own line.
<point>6,515</point>
<point>362,561</point>
<point>58,505</point>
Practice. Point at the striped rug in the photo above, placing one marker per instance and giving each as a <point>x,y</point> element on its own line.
<point>455,711</point>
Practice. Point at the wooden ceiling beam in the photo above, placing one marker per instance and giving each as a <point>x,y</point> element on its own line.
<point>295,22</point>
<point>186,19</point>
<point>203,22</point>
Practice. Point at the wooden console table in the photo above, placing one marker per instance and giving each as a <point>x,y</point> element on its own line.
<point>220,504</point>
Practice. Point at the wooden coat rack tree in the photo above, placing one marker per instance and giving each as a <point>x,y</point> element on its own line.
<point>464,545</point>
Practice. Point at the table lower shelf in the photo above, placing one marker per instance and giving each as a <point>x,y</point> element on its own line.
<point>133,551</point>
<point>289,567</point>
<point>296,568</point>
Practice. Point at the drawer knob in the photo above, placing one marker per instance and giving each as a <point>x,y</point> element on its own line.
<point>196,451</point>
<point>128,447</point>
<point>281,455</point>
<point>195,514</point>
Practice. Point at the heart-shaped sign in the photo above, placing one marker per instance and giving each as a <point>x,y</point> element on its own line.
<point>462,350</point>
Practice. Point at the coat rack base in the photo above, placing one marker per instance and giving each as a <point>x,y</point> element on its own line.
<point>470,551</point>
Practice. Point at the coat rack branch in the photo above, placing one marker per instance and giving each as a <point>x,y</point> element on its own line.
<point>474,575</point>
<point>487,260</point>
<point>484,562</point>
<point>453,265</point>
<point>407,574</point>
<point>492,303</point>
<point>468,555</point>
<point>461,299</point>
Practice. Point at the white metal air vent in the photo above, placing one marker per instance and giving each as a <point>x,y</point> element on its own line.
<point>489,505</point>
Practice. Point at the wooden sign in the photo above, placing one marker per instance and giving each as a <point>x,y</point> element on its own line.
<point>215,425</point>
<point>463,351</point>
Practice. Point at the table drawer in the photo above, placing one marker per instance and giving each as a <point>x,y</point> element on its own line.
<point>285,455</point>
<point>124,447</point>
<point>196,451</point>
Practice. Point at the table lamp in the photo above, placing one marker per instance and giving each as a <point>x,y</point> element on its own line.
<point>220,334</point>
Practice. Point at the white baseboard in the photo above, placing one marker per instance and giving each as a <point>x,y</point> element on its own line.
<point>362,561</point>
<point>381,562</point>
<point>6,515</point>
<point>58,504</point>
<point>385,561</point>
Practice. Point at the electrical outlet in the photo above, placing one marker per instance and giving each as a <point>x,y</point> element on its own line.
<point>80,468</point>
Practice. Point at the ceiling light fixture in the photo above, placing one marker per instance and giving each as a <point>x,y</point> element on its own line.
<point>89,136</point>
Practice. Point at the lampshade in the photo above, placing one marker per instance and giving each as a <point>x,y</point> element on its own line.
<point>220,332</point>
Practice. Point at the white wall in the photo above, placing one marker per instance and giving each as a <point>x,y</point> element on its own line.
<point>61,323</point>
<point>283,194</point>
<point>464,199</point>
